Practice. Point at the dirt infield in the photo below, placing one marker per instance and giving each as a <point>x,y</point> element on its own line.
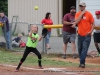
<point>4,70</point>
<point>89,60</point>
<point>10,69</point>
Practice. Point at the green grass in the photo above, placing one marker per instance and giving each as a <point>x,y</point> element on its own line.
<point>18,49</point>
<point>13,58</point>
<point>9,57</point>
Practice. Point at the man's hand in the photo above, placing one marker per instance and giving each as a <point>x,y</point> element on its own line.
<point>89,33</point>
<point>73,25</point>
<point>83,12</point>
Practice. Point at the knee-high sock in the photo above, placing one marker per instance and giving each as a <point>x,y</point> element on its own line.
<point>20,63</point>
<point>39,63</point>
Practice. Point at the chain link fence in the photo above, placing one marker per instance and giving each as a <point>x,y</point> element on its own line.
<point>55,41</point>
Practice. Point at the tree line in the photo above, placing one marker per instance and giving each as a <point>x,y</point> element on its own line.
<point>4,6</point>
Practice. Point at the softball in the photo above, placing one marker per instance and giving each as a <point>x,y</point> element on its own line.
<point>36,7</point>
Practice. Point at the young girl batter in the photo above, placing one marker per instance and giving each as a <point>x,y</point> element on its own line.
<point>31,45</point>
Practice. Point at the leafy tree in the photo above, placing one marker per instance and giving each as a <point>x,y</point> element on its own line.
<point>4,6</point>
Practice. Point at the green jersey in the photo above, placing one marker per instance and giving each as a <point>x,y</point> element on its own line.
<point>32,43</point>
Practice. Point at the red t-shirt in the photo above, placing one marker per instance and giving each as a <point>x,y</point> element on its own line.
<point>47,22</point>
<point>69,18</point>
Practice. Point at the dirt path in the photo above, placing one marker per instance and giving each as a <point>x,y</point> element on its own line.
<point>89,60</point>
<point>10,69</point>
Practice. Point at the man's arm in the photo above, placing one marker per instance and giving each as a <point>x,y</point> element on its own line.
<point>92,27</point>
<point>89,33</point>
<point>92,24</point>
<point>65,20</point>
<point>80,17</point>
<point>67,23</point>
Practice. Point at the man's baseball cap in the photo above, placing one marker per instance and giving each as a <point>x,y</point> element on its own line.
<point>97,12</point>
<point>72,7</point>
<point>82,4</point>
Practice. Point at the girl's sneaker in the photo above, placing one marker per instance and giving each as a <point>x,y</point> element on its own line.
<point>16,70</point>
<point>40,67</point>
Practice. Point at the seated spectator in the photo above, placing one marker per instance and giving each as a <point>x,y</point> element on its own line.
<point>17,40</point>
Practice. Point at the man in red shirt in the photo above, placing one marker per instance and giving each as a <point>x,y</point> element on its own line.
<point>69,33</point>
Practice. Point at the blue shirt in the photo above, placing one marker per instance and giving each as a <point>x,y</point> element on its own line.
<point>17,39</point>
<point>5,20</point>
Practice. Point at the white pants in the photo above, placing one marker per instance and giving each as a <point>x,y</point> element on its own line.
<point>15,43</point>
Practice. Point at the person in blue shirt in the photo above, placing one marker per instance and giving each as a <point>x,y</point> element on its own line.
<point>17,40</point>
<point>5,29</point>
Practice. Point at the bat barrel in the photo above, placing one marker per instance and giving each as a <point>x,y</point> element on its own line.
<point>60,26</point>
<point>53,26</point>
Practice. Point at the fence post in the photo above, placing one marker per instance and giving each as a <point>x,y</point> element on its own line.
<point>44,50</point>
<point>45,46</point>
<point>10,26</point>
<point>43,40</point>
<point>28,28</point>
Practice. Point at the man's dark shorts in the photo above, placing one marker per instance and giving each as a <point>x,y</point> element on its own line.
<point>96,37</point>
<point>68,37</point>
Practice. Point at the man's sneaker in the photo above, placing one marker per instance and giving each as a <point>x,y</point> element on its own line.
<point>64,56</point>
<point>82,65</point>
<point>74,56</point>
